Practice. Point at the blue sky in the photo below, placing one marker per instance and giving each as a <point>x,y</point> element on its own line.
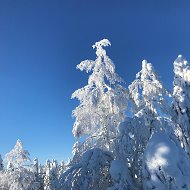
<point>42,41</point>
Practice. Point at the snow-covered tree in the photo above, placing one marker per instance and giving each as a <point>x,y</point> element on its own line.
<point>147,96</point>
<point>1,163</point>
<point>144,151</point>
<point>102,102</point>
<point>148,99</point>
<point>120,176</point>
<point>92,172</point>
<point>20,178</point>
<point>47,175</point>
<point>51,177</point>
<point>36,166</point>
<point>54,175</point>
<point>38,176</point>
<point>17,156</point>
<point>166,166</point>
<point>62,168</point>
<point>1,172</point>
<point>181,101</point>
<point>18,175</point>
<point>130,145</point>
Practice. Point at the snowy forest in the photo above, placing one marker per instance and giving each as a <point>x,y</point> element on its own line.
<point>135,138</point>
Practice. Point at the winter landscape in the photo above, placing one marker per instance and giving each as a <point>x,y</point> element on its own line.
<point>149,150</point>
<point>95,95</point>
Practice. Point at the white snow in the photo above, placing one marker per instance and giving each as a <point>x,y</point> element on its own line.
<point>145,148</point>
<point>166,166</point>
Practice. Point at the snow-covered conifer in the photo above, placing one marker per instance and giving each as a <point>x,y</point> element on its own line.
<point>1,163</point>
<point>51,177</point>
<point>130,145</point>
<point>120,176</point>
<point>62,168</point>
<point>1,173</point>
<point>92,172</point>
<point>102,102</point>
<point>17,156</point>
<point>38,181</point>
<point>181,101</point>
<point>36,166</point>
<point>18,175</point>
<point>148,95</point>
<point>47,175</point>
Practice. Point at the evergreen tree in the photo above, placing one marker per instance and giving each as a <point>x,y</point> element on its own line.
<point>1,163</point>
<point>181,101</point>
<point>62,168</point>
<point>148,97</point>
<point>18,175</point>
<point>120,176</point>
<point>102,103</point>
<point>51,177</point>
<point>47,176</point>
<point>38,176</point>
<point>91,172</point>
<point>17,156</point>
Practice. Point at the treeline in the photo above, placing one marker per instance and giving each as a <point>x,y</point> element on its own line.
<point>19,173</point>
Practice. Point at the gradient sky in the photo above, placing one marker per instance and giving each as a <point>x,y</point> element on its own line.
<point>42,41</point>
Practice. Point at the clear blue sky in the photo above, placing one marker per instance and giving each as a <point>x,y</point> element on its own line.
<point>41,42</point>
